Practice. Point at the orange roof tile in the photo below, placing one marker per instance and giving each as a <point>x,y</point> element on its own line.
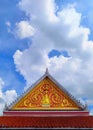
<point>46,122</point>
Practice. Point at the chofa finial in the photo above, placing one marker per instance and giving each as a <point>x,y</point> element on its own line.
<point>46,70</point>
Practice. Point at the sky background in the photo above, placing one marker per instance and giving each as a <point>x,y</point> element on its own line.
<point>57,34</point>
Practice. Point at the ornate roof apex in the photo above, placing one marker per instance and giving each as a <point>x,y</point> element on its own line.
<point>47,72</point>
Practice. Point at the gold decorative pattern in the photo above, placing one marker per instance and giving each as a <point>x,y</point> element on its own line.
<point>46,96</point>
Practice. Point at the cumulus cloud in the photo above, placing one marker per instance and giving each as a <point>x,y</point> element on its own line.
<point>6,97</point>
<point>1,96</point>
<point>91,112</point>
<point>9,96</point>
<point>60,30</point>
<point>24,30</point>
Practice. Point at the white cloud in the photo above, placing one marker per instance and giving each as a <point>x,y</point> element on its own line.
<point>1,87</point>
<point>24,30</point>
<point>9,96</point>
<point>39,9</point>
<point>1,96</point>
<point>91,111</point>
<point>62,32</point>
<point>6,97</point>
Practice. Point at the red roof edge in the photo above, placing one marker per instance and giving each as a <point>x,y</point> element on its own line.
<point>46,113</point>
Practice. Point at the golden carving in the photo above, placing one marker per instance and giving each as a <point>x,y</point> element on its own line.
<point>46,101</point>
<point>46,95</point>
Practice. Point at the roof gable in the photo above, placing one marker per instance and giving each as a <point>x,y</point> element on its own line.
<point>46,94</point>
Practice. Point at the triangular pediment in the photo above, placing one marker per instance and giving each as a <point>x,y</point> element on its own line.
<point>46,95</point>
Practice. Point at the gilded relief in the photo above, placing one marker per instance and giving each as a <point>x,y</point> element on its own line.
<point>46,96</point>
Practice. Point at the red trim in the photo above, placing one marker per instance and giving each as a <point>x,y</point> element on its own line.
<point>46,113</point>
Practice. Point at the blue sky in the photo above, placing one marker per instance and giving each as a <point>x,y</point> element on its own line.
<point>9,11</point>
<point>55,34</point>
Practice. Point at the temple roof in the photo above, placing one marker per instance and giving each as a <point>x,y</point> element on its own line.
<point>46,94</point>
<point>46,122</point>
<point>60,109</point>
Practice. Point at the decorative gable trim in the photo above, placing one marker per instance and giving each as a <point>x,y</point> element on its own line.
<point>82,107</point>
